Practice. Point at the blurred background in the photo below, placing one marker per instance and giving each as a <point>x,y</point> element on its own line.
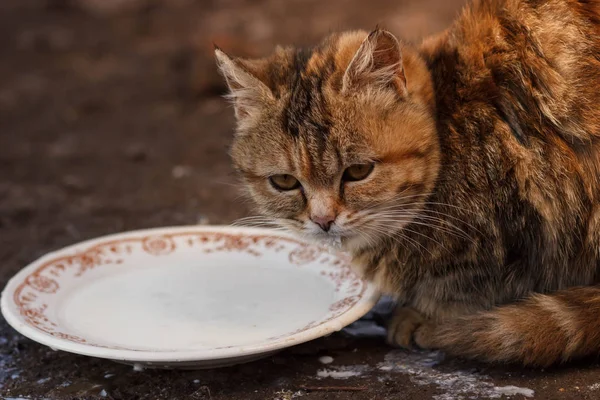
<point>111,111</point>
<point>112,118</point>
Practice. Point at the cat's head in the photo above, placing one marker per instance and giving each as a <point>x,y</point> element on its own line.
<point>336,142</point>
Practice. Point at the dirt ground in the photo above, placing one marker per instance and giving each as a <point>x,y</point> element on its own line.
<point>111,119</point>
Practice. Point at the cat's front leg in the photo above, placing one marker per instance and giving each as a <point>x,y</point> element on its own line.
<point>408,327</point>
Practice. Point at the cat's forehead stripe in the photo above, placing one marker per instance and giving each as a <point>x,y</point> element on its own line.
<point>306,112</point>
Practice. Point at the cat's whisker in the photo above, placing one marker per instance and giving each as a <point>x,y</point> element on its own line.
<point>446,227</point>
<point>366,237</point>
<point>393,201</point>
<point>430,203</point>
<point>408,218</point>
<point>427,237</point>
<point>451,229</point>
<point>400,235</point>
<point>398,199</point>
<point>414,216</point>
<point>411,222</point>
<point>254,217</point>
<point>372,209</point>
<point>400,238</point>
<point>452,217</point>
<point>250,220</point>
<point>425,210</point>
<point>273,224</point>
<point>418,233</point>
<point>466,210</point>
<point>384,232</point>
<point>226,183</point>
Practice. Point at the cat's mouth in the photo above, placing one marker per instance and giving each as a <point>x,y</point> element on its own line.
<point>335,238</point>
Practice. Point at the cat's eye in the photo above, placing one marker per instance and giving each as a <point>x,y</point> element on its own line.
<point>284,182</point>
<point>358,172</point>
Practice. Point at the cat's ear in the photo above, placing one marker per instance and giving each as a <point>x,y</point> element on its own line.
<point>376,64</point>
<point>248,93</point>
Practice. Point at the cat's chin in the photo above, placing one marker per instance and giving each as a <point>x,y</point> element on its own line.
<point>331,241</point>
<point>347,243</point>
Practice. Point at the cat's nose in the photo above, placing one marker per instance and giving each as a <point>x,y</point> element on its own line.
<point>324,221</point>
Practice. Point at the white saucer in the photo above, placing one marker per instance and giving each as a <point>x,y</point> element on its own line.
<point>199,296</point>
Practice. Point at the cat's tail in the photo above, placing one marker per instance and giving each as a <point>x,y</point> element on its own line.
<point>542,330</point>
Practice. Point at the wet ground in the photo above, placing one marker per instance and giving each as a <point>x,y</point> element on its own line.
<point>111,119</point>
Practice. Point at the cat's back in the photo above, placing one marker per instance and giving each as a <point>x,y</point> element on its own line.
<point>520,81</point>
<point>530,65</point>
<point>543,56</point>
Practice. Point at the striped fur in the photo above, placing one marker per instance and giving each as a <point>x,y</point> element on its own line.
<point>482,214</point>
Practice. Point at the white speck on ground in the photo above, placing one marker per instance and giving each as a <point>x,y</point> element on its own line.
<point>138,367</point>
<point>325,360</point>
<point>108,376</point>
<point>513,390</point>
<point>595,386</point>
<point>202,220</point>
<point>455,384</point>
<point>196,380</point>
<point>287,395</point>
<point>343,372</point>
<point>15,376</point>
<point>181,171</point>
<point>43,380</point>
<point>103,393</point>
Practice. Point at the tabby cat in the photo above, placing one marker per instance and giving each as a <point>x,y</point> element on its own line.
<point>462,174</point>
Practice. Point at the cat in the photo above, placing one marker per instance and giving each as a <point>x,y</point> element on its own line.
<point>461,174</point>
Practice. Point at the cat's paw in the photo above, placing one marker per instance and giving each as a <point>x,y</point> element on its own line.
<point>408,328</point>
<point>423,336</point>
